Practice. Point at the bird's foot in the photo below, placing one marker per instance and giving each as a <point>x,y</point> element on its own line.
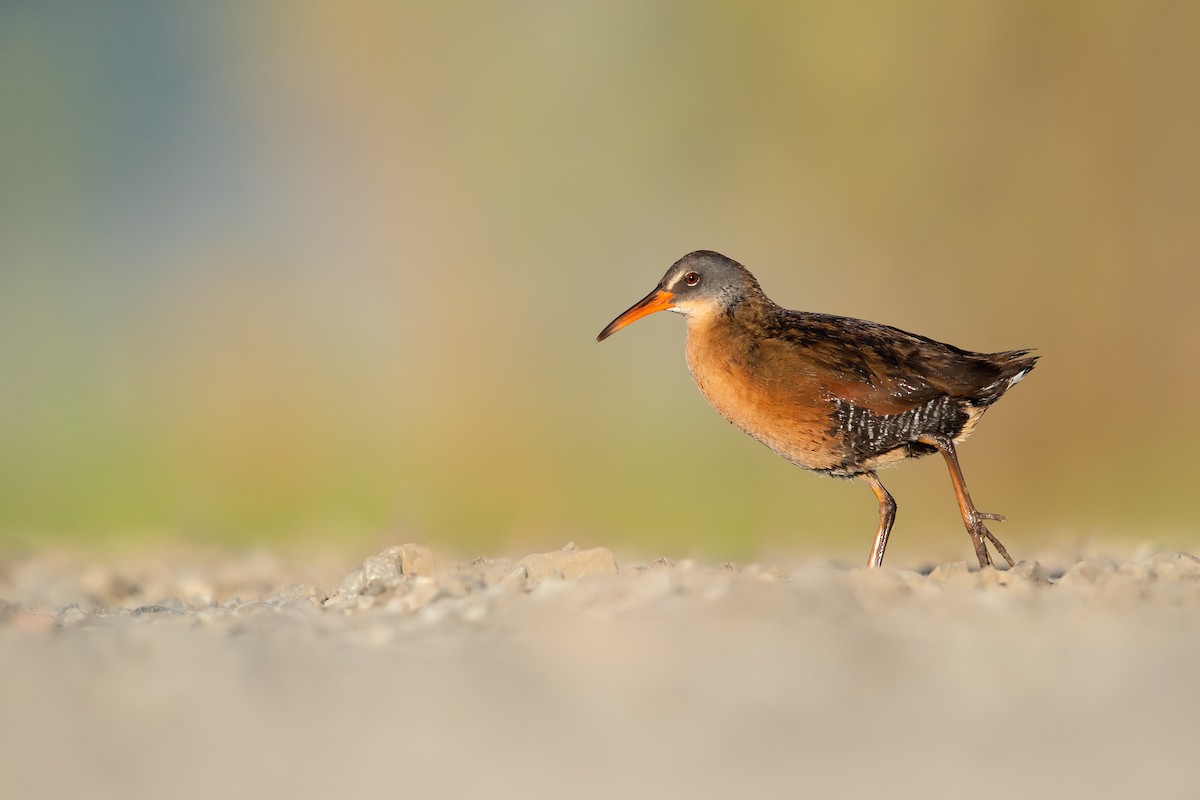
<point>980,536</point>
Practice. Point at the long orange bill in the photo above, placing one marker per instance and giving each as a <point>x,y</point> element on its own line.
<point>658,300</point>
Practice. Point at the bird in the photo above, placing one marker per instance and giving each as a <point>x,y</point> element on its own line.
<point>834,395</point>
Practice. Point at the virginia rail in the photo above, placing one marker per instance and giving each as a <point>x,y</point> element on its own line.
<point>831,394</point>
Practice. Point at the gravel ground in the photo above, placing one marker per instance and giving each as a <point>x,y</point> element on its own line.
<point>562,674</point>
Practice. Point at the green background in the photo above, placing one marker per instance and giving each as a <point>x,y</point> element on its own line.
<point>332,271</point>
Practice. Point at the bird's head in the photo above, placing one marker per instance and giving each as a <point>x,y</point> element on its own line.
<point>697,285</point>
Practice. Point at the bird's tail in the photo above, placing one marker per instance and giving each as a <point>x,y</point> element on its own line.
<point>1015,365</point>
<point>1008,368</point>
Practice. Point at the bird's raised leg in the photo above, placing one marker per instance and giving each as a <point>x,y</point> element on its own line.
<point>972,517</point>
<point>887,515</point>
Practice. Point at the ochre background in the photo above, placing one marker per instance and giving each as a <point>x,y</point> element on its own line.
<point>333,271</point>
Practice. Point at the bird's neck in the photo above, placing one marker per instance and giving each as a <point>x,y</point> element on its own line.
<point>747,313</point>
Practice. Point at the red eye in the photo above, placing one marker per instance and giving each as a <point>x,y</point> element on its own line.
<point>692,278</point>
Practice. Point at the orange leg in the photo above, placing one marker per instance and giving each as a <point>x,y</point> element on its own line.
<point>972,517</point>
<point>887,516</point>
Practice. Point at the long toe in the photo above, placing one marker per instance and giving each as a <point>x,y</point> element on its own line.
<point>1000,548</point>
<point>978,538</point>
<point>980,535</point>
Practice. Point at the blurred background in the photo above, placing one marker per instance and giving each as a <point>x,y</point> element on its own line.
<point>323,272</point>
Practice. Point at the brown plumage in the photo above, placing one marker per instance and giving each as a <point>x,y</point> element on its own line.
<point>831,394</point>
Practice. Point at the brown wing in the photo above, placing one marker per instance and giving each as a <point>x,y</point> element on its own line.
<point>887,370</point>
